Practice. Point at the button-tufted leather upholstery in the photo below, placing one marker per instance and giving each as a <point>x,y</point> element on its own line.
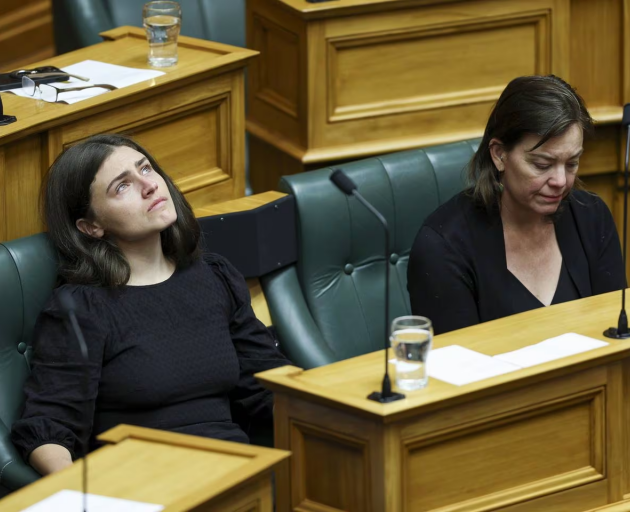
<point>77,23</point>
<point>27,277</point>
<point>330,305</point>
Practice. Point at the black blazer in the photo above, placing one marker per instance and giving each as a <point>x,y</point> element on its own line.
<point>458,272</point>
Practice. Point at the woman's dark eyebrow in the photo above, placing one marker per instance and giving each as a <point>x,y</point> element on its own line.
<point>549,157</point>
<point>141,161</point>
<point>119,177</point>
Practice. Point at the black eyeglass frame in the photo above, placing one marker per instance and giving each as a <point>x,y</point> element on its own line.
<point>59,90</point>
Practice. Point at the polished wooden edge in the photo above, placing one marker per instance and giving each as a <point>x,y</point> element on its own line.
<point>601,116</point>
<point>354,151</point>
<point>261,460</point>
<point>124,432</point>
<point>622,506</point>
<point>242,204</point>
<point>222,65</point>
<point>286,381</point>
<point>606,115</point>
<point>188,42</point>
<point>336,8</point>
<point>276,140</point>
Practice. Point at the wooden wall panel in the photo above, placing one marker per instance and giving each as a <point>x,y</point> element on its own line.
<point>277,79</point>
<point>596,61</point>
<point>26,32</point>
<point>22,182</point>
<point>421,69</point>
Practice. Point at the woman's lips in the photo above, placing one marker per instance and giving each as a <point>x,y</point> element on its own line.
<point>551,199</point>
<point>158,202</point>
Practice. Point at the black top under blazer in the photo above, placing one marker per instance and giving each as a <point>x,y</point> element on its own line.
<point>458,273</point>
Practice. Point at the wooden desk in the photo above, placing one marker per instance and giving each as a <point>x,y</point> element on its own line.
<point>348,79</point>
<point>191,119</point>
<point>178,471</point>
<point>553,437</point>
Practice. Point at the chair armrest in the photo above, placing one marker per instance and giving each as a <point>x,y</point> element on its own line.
<point>14,472</point>
<point>300,338</point>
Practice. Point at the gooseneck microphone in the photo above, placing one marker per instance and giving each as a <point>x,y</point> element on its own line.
<point>348,187</point>
<point>621,331</point>
<point>68,306</point>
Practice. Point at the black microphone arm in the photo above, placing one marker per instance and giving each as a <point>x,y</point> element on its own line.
<point>621,331</point>
<point>348,187</point>
<point>68,306</point>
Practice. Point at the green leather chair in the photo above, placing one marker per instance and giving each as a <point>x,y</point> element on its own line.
<point>77,23</point>
<point>28,274</point>
<point>27,278</point>
<point>329,306</point>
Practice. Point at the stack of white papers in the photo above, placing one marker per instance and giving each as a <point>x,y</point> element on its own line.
<point>98,73</point>
<point>72,501</point>
<point>458,365</point>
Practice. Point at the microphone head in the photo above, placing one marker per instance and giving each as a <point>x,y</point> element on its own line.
<point>343,183</point>
<point>625,120</point>
<point>66,301</point>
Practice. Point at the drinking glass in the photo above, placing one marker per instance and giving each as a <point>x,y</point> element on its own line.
<point>162,21</point>
<point>411,339</point>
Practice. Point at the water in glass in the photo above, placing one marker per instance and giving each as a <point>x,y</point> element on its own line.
<point>411,343</point>
<point>162,27</point>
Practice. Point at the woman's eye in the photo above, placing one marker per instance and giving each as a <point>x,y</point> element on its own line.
<point>573,165</point>
<point>121,187</point>
<point>542,167</point>
<point>146,169</point>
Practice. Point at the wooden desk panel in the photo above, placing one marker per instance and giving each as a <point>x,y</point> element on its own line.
<point>26,32</point>
<point>349,79</point>
<point>550,437</point>
<point>181,472</point>
<point>191,119</point>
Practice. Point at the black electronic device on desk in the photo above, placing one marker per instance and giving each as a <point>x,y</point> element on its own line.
<point>5,119</point>
<point>13,79</point>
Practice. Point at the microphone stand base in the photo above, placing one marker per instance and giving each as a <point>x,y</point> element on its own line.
<point>377,396</point>
<point>613,332</point>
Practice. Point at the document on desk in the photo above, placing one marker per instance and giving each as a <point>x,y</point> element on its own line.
<point>549,350</point>
<point>459,366</point>
<point>98,73</point>
<point>72,501</point>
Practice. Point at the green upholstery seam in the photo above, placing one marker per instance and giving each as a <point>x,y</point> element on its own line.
<point>17,271</point>
<point>3,468</point>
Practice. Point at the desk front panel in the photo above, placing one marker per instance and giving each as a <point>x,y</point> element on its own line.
<point>557,445</point>
<point>191,119</point>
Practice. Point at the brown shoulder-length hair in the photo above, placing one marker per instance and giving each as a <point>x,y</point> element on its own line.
<point>65,198</point>
<point>543,105</point>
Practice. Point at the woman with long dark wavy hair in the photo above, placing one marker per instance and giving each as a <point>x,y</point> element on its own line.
<point>521,236</point>
<point>172,339</point>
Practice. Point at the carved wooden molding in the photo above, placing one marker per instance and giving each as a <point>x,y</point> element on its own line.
<point>203,178</point>
<point>540,19</point>
<point>594,399</point>
<point>298,432</point>
<point>263,89</point>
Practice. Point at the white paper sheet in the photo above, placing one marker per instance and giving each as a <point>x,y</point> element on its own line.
<point>458,365</point>
<point>549,350</point>
<point>98,73</point>
<point>72,501</point>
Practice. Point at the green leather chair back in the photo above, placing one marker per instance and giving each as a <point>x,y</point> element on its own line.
<point>77,23</point>
<point>27,278</point>
<point>330,305</point>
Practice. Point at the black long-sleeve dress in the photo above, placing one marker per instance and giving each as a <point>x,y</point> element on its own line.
<point>178,355</point>
<point>458,273</point>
